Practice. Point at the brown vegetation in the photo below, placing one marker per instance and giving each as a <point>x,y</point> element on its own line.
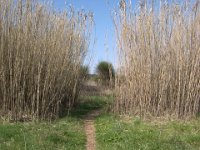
<point>159,51</point>
<point>41,52</point>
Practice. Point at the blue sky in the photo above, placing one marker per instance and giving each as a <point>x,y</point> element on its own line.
<point>104,48</point>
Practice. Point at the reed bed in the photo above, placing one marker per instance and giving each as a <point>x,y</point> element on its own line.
<point>159,59</point>
<point>41,51</point>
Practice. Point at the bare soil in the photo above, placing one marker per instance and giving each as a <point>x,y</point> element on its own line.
<point>90,129</point>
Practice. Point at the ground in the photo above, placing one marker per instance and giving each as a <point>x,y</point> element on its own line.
<point>90,129</point>
<point>92,126</point>
<point>66,133</point>
<point>115,133</point>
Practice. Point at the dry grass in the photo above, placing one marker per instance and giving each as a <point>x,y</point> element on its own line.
<point>41,52</point>
<point>159,53</point>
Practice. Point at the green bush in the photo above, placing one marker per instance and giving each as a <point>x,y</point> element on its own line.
<point>105,71</point>
<point>84,72</point>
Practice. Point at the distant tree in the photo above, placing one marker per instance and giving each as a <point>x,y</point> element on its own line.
<point>84,72</point>
<point>105,71</point>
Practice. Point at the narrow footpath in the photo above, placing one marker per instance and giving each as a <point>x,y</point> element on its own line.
<point>90,129</point>
<point>90,88</point>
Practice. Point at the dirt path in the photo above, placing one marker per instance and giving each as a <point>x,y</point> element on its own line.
<point>90,129</point>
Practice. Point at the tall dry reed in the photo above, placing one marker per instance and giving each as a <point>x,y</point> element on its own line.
<point>159,59</point>
<point>41,51</point>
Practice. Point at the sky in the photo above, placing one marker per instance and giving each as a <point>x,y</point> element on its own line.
<point>104,48</point>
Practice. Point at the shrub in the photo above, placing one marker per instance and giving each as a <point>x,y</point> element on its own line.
<point>159,53</point>
<point>105,72</point>
<point>41,52</point>
<point>84,72</point>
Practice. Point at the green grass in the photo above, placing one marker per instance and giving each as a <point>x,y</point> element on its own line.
<point>66,133</point>
<point>63,134</point>
<point>115,134</point>
<point>90,103</point>
<point>112,133</point>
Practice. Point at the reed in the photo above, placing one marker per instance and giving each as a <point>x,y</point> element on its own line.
<point>159,59</point>
<point>41,51</point>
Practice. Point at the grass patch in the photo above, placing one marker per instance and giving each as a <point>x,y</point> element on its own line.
<point>115,134</point>
<point>90,103</point>
<point>112,132</point>
<point>66,133</point>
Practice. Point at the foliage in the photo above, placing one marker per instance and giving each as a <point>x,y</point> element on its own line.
<point>84,72</point>
<point>105,71</point>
